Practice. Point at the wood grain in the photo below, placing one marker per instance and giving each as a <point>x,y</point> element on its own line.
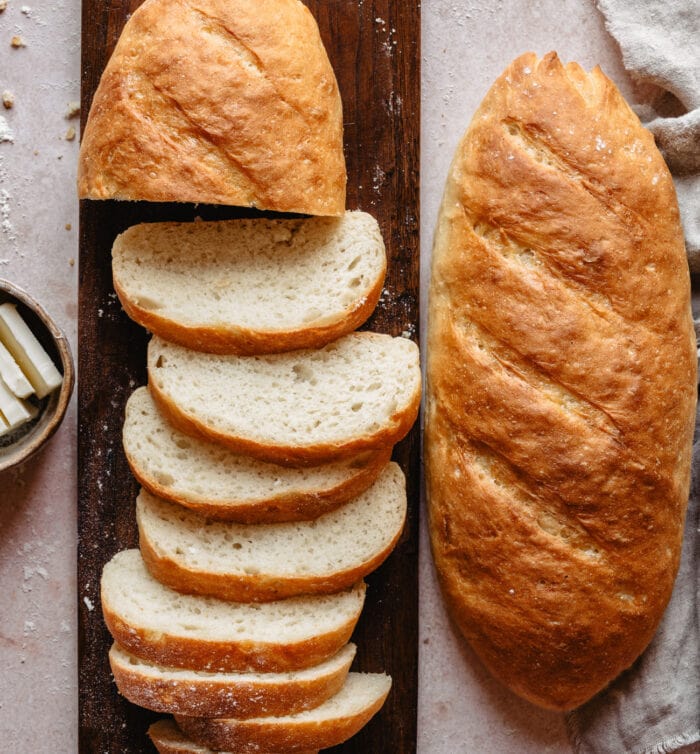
<point>374,48</point>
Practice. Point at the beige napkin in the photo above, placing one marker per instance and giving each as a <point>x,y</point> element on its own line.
<point>654,707</point>
<point>660,44</point>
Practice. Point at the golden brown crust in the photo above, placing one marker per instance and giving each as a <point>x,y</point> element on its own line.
<point>224,657</point>
<point>209,697</point>
<point>255,735</point>
<point>233,339</point>
<point>252,587</point>
<point>220,102</point>
<point>285,506</point>
<point>562,383</point>
<point>284,455</point>
<point>168,739</point>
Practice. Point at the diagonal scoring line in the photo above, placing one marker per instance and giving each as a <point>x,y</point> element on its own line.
<point>247,54</point>
<point>531,142</point>
<point>525,369</point>
<point>549,511</point>
<point>525,257</point>
<point>202,132</point>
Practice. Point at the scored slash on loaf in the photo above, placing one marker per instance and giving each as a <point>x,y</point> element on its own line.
<point>219,484</point>
<point>251,286</point>
<point>358,393</point>
<point>202,633</point>
<point>201,694</point>
<point>333,722</point>
<point>218,102</point>
<point>264,562</point>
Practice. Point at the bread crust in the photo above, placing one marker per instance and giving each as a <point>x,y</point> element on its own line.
<point>561,383</point>
<point>284,507</point>
<point>168,739</point>
<point>223,656</point>
<point>219,102</point>
<point>256,734</point>
<point>252,587</point>
<point>225,697</point>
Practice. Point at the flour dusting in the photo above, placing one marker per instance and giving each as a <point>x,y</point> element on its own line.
<point>5,130</point>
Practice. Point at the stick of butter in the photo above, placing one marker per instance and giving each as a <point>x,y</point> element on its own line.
<point>12,375</point>
<point>28,352</point>
<point>14,410</point>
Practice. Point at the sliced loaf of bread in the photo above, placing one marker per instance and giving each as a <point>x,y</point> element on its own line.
<point>202,694</point>
<point>304,407</point>
<point>333,722</point>
<point>251,286</point>
<point>220,484</point>
<point>169,739</point>
<point>202,633</point>
<point>265,562</point>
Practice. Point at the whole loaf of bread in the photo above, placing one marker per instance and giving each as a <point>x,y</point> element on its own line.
<point>562,383</point>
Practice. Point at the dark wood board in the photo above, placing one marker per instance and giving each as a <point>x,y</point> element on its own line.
<point>374,46</point>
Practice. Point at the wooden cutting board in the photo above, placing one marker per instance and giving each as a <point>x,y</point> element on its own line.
<point>374,47</point>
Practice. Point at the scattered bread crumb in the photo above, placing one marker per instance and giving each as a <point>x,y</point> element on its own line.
<point>36,152</point>
<point>70,134</point>
<point>71,262</point>
<point>17,41</point>
<point>73,110</point>
<point>68,226</point>
<point>3,5</point>
<point>8,99</point>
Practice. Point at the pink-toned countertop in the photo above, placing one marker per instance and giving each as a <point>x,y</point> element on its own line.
<point>466,44</point>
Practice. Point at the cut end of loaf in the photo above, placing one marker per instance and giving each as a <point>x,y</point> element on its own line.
<point>262,119</point>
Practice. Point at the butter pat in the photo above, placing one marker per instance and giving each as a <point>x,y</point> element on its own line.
<point>14,410</point>
<point>12,375</point>
<point>28,352</point>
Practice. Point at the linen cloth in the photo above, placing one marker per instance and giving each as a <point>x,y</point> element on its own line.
<point>654,707</point>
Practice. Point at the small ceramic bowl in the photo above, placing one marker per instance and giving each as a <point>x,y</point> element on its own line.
<point>29,439</point>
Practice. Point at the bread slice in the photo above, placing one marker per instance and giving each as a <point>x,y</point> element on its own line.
<point>260,563</point>
<point>201,694</point>
<point>251,286</point>
<point>169,739</point>
<point>217,483</point>
<point>202,633</point>
<point>303,407</point>
<point>218,102</point>
<point>333,722</point>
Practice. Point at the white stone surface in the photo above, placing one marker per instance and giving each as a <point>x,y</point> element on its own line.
<point>465,46</point>
<point>38,615</point>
